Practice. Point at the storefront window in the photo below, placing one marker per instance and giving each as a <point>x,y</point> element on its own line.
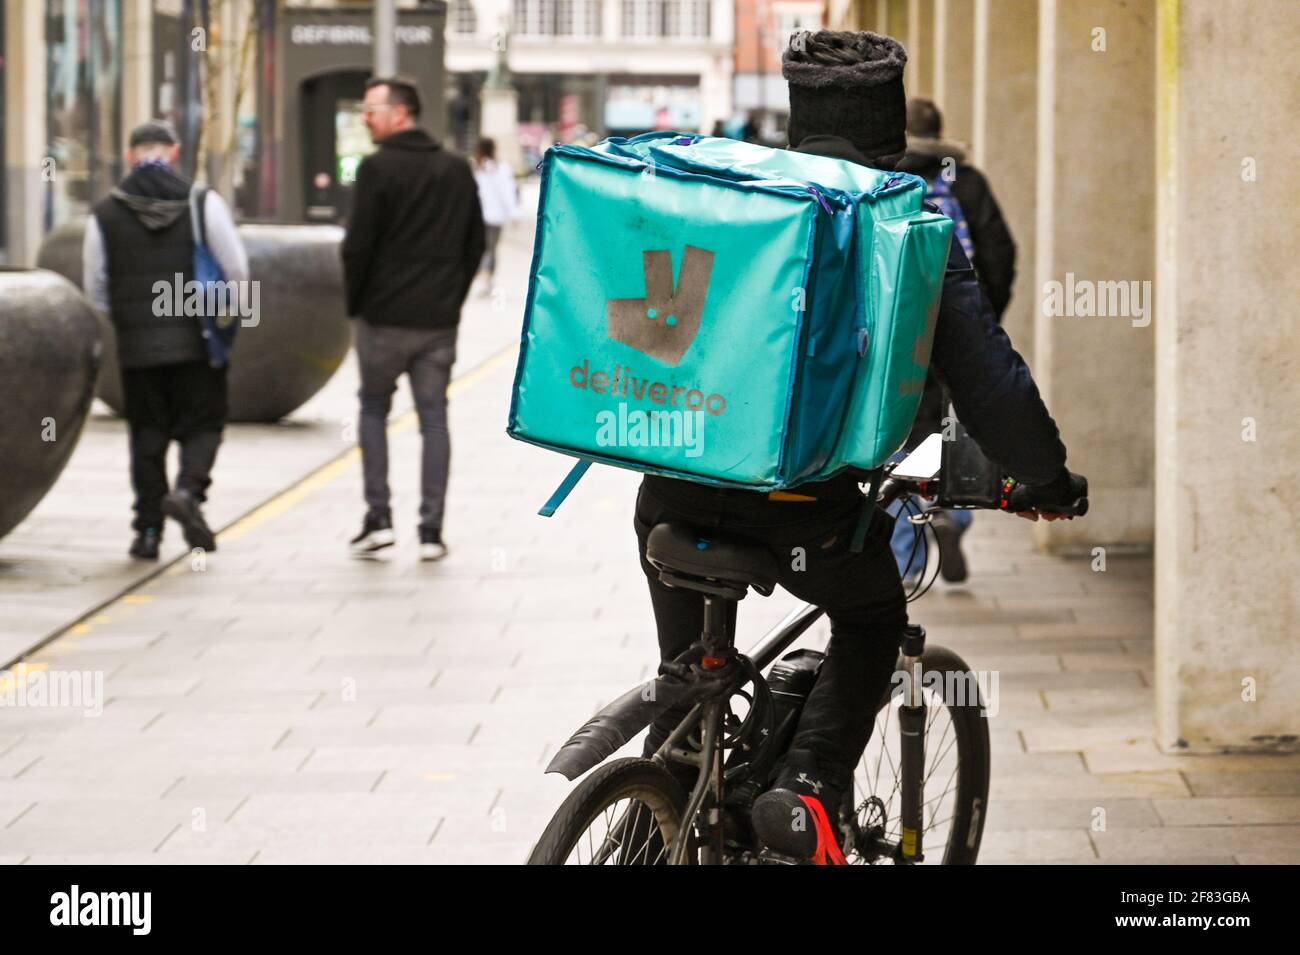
<point>84,103</point>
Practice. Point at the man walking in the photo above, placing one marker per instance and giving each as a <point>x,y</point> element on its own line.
<point>412,247</point>
<point>962,193</point>
<point>140,236</point>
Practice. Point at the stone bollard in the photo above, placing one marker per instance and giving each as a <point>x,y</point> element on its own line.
<point>50,350</point>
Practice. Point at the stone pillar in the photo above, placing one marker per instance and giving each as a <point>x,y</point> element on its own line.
<point>1095,258</point>
<point>1227,389</point>
<point>25,160</point>
<point>919,40</point>
<point>1004,128</point>
<point>954,67</point>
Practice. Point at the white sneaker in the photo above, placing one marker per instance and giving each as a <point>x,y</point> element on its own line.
<point>431,545</point>
<point>376,534</point>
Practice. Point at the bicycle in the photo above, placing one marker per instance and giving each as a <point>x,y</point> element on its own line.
<point>644,816</point>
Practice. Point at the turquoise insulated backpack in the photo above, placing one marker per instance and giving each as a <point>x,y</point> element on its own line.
<point>725,313</point>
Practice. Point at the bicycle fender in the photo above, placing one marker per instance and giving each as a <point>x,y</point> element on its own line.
<point>603,734</point>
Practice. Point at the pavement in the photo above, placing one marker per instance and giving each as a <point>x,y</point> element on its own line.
<point>279,702</point>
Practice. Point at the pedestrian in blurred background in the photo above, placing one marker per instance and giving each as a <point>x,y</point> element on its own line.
<point>136,237</point>
<point>413,244</point>
<point>962,194</point>
<point>499,197</point>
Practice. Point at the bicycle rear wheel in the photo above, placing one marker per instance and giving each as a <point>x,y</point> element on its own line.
<point>956,773</point>
<point>626,813</point>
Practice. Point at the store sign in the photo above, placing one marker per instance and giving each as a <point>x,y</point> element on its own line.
<point>340,34</point>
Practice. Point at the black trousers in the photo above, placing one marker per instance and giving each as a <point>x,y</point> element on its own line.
<point>861,593</point>
<point>185,403</point>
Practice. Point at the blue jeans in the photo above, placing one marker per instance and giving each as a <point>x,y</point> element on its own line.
<point>909,546</point>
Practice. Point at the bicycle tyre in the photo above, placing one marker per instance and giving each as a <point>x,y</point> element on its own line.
<point>624,779</point>
<point>973,762</point>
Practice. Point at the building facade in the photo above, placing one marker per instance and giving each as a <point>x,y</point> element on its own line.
<point>264,93</point>
<point>763,31</point>
<point>598,67</point>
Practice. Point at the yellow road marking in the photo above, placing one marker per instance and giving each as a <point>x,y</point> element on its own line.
<point>322,476</point>
<point>282,502</point>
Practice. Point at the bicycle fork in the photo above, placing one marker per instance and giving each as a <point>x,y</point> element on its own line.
<point>911,724</point>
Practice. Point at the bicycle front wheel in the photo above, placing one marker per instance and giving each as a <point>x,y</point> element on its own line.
<point>626,813</point>
<point>956,781</point>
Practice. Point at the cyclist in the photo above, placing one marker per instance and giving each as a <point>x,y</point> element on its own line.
<point>847,101</point>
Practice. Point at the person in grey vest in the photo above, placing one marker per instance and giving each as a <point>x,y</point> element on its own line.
<point>137,237</point>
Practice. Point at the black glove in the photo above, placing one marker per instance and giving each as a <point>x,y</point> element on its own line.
<point>1067,494</point>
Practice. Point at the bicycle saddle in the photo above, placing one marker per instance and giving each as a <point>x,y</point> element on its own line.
<point>688,553</point>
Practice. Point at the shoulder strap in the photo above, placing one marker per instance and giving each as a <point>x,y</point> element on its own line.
<point>867,512</point>
<point>570,481</point>
<point>198,228</point>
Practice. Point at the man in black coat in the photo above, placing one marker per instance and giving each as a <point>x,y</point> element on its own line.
<point>962,192</point>
<point>138,248</point>
<point>412,247</point>
<point>847,101</point>
<point>992,250</point>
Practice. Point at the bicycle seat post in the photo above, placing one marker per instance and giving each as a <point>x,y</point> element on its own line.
<point>716,636</point>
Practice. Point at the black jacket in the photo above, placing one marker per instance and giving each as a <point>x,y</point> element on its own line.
<point>145,224</point>
<point>992,390</point>
<point>416,234</point>
<point>995,250</point>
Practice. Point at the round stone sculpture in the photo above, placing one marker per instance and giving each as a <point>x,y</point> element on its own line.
<point>301,335</point>
<point>50,351</point>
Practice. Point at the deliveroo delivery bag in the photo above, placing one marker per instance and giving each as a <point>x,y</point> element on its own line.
<point>724,312</point>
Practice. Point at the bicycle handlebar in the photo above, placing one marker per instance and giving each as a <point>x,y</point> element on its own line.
<point>1015,498</point>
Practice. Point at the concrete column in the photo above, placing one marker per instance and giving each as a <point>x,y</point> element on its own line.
<point>27,167</point>
<point>919,75</point>
<point>1003,130</point>
<point>1227,390</point>
<point>1095,258</point>
<point>954,66</point>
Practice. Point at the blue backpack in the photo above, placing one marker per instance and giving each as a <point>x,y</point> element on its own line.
<point>218,324</point>
<point>939,191</point>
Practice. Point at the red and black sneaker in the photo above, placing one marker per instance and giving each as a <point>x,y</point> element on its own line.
<point>791,817</point>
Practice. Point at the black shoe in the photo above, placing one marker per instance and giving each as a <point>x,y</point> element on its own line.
<point>145,545</point>
<point>796,816</point>
<point>376,534</point>
<point>431,545</point>
<point>183,507</point>
<point>952,563</point>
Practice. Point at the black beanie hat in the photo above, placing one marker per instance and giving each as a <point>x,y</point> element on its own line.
<point>849,85</point>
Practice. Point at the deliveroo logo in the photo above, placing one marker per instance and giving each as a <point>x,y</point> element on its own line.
<point>666,321</point>
<point>915,384</point>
